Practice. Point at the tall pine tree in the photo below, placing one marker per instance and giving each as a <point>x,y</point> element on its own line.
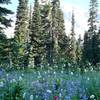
<point>21,30</point>
<point>58,29</point>
<point>89,44</point>
<point>72,51</point>
<point>4,23</point>
<point>46,22</point>
<point>79,49</point>
<point>36,34</point>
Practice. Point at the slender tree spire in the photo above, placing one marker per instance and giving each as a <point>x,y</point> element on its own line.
<point>73,23</point>
<point>92,18</point>
<point>36,36</point>
<point>90,36</point>
<point>21,29</point>
<point>73,40</point>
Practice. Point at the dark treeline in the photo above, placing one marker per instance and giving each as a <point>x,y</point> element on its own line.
<point>40,37</point>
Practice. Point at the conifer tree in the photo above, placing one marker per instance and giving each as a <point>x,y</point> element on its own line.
<point>36,34</point>
<point>3,13</point>
<point>4,23</point>
<point>46,29</point>
<point>72,53</point>
<point>96,48</point>
<point>88,40</point>
<point>62,38</point>
<point>3,48</point>
<point>79,49</point>
<point>21,29</point>
<point>58,28</point>
<point>54,25</point>
<point>86,49</point>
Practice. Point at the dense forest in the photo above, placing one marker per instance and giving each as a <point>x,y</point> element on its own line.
<point>40,37</point>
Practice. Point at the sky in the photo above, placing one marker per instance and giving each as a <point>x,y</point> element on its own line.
<point>80,9</point>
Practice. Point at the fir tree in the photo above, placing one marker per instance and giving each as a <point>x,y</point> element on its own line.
<point>58,28</point>
<point>79,49</point>
<point>62,38</point>
<point>46,22</point>
<point>21,29</point>
<point>89,44</point>
<point>92,18</point>
<point>54,33</point>
<point>96,48</point>
<point>5,23</point>
<point>72,53</point>
<point>86,49</point>
<point>3,13</point>
<point>36,34</point>
<point>3,50</point>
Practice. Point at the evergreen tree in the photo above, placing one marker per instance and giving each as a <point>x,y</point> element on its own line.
<point>89,44</point>
<point>58,28</point>
<point>3,13</point>
<point>92,21</point>
<point>3,50</point>
<point>36,34</point>
<point>46,29</point>
<point>96,48</point>
<point>86,50</point>
<point>54,29</point>
<point>54,33</point>
<point>62,38</point>
<point>4,23</point>
<point>21,30</point>
<point>79,49</point>
<point>28,40</point>
<point>72,51</point>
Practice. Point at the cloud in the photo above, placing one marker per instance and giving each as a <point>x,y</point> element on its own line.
<point>10,31</point>
<point>81,17</point>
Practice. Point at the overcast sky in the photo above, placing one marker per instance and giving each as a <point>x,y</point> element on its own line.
<point>81,14</point>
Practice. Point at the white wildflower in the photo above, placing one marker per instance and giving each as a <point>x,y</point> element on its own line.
<point>39,73</point>
<point>91,68</point>
<point>24,95</point>
<point>71,73</point>
<point>62,71</point>
<point>7,75</point>
<point>54,72</point>
<point>85,70</point>
<point>92,96</point>
<point>20,78</point>
<point>31,97</point>
<point>1,84</point>
<point>13,80</point>
<point>45,72</point>
<point>88,78</point>
<point>22,74</point>
<point>49,91</point>
<point>60,94</point>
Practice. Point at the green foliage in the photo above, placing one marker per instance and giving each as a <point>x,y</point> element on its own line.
<point>21,31</point>
<point>90,36</point>
<point>4,51</point>
<point>36,32</point>
<point>3,13</point>
<point>79,50</point>
<point>72,41</point>
<point>45,18</point>
<point>14,92</point>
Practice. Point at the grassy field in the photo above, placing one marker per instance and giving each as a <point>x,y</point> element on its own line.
<point>49,84</point>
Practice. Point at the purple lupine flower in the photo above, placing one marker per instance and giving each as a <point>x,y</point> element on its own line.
<point>67,98</point>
